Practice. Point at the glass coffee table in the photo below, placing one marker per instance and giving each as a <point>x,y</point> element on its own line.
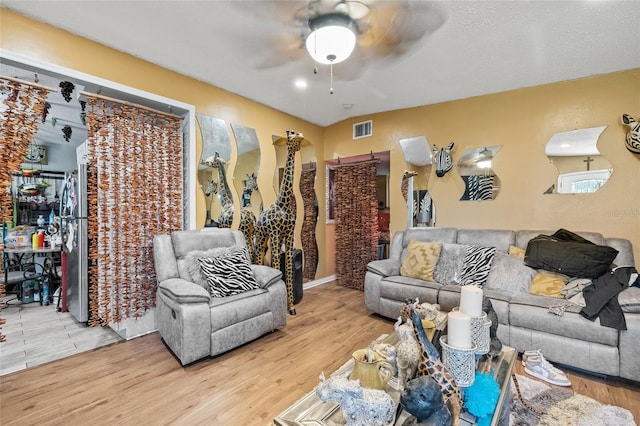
<point>310,410</point>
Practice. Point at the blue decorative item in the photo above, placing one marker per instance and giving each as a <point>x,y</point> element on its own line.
<point>482,397</point>
<point>423,399</point>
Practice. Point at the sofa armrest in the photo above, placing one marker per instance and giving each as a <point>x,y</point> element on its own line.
<point>266,275</point>
<point>384,267</point>
<point>629,300</point>
<point>183,291</point>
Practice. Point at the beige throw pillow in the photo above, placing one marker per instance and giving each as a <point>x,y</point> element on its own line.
<point>547,283</point>
<point>421,260</point>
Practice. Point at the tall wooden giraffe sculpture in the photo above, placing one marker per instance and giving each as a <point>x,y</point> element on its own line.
<point>431,364</point>
<point>225,219</point>
<point>277,223</point>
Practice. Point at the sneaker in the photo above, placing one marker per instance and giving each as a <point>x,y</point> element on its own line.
<point>537,352</point>
<point>539,367</point>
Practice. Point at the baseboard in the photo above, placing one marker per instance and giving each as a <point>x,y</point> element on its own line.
<point>318,282</point>
<point>135,327</point>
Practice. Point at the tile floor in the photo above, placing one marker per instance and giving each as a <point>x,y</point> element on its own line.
<point>38,334</point>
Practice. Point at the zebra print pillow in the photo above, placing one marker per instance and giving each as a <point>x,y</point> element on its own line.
<point>477,265</point>
<point>228,274</point>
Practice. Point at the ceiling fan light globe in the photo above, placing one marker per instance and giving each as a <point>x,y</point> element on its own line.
<point>332,38</point>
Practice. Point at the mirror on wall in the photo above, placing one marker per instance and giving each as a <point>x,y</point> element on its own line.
<point>475,167</point>
<point>415,181</point>
<point>245,175</point>
<point>581,168</point>
<point>212,168</point>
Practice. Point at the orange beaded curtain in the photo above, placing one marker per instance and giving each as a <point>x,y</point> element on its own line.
<point>356,219</point>
<point>22,104</point>
<point>135,181</point>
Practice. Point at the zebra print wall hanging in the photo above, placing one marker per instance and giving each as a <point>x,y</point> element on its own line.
<point>633,135</point>
<point>475,169</point>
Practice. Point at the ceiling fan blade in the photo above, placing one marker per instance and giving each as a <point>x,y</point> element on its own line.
<point>392,27</point>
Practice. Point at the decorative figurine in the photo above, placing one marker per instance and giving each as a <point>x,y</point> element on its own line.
<point>360,406</point>
<point>442,159</point>
<point>633,136</point>
<point>422,399</point>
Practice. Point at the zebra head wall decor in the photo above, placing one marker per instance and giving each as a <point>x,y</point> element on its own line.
<point>442,159</point>
<point>633,136</point>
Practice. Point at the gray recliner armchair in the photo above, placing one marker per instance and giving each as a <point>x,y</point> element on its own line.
<point>193,323</point>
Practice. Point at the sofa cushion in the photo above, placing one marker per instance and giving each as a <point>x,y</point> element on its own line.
<point>547,283</point>
<point>228,274</point>
<point>421,260</point>
<point>439,235</point>
<point>450,263</point>
<point>409,289</point>
<point>500,239</point>
<point>509,274</point>
<point>227,311</point>
<point>191,261</point>
<point>532,312</point>
<point>477,264</point>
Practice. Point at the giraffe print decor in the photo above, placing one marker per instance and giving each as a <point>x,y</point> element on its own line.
<point>225,219</point>
<point>431,364</point>
<point>276,224</point>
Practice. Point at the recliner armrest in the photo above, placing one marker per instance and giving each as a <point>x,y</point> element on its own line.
<point>384,267</point>
<point>183,291</point>
<point>266,275</point>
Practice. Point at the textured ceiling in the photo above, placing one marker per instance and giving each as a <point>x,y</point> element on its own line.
<point>466,48</point>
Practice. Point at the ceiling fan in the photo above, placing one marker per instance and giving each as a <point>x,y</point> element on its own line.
<point>372,29</point>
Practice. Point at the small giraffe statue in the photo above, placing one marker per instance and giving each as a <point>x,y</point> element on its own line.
<point>404,186</point>
<point>277,223</point>
<point>431,364</point>
<point>250,185</point>
<point>225,219</point>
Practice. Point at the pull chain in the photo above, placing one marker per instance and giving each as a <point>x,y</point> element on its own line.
<point>331,88</point>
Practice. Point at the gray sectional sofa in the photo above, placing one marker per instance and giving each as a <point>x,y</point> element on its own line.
<point>524,319</point>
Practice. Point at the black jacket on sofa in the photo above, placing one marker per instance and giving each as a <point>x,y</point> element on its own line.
<point>601,297</point>
<point>569,254</point>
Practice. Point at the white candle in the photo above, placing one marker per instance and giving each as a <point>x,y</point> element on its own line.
<point>471,300</point>
<point>459,330</point>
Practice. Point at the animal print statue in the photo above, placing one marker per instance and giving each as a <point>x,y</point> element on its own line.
<point>442,159</point>
<point>495,345</point>
<point>407,352</point>
<point>250,184</point>
<point>276,224</point>
<point>225,219</point>
<point>360,406</point>
<point>211,188</point>
<point>431,364</point>
<point>404,186</point>
<point>633,136</point>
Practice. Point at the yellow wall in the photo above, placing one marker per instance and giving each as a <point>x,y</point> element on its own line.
<point>49,44</point>
<point>522,121</point>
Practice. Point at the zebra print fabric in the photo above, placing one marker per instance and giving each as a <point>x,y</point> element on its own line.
<point>478,188</point>
<point>477,265</point>
<point>228,274</point>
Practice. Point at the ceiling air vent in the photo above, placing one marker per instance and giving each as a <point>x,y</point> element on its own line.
<point>362,130</point>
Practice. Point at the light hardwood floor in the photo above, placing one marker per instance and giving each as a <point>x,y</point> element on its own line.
<point>140,382</point>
